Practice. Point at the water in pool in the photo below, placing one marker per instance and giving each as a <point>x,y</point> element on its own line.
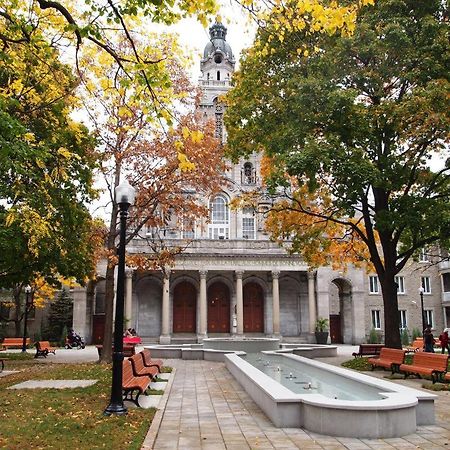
<point>305,379</point>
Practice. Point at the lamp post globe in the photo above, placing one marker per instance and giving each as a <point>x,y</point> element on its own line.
<point>25,317</point>
<point>421,291</point>
<point>124,197</point>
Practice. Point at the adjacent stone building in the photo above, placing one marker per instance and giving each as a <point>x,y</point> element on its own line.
<point>232,280</point>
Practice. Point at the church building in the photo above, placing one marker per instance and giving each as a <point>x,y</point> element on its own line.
<point>233,281</point>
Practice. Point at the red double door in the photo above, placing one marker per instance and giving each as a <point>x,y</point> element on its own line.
<point>184,308</point>
<point>218,308</point>
<point>253,308</point>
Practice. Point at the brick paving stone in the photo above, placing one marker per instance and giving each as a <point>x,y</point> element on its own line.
<point>206,401</point>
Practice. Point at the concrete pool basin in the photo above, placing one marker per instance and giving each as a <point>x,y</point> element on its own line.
<point>388,410</point>
<point>218,347</point>
<point>248,345</point>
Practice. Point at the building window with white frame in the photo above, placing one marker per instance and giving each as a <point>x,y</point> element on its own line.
<point>219,228</point>
<point>376,319</point>
<point>248,224</point>
<point>429,317</point>
<point>423,256</point>
<point>402,319</point>
<point>188,229</point>
<point>425,282</point>
<point>400,282</point>
<point>374,285</point>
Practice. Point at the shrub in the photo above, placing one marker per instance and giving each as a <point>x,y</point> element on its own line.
<point>416,333</point>
<point>60,316</point>
<point>405,337</point>
<point>374,337</point>
<point>321,324</point>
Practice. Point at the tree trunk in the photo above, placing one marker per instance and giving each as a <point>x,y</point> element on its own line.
<point>109,310</point>
<point>391,318</point>
<point>110,276</point>
<point>17,313</point>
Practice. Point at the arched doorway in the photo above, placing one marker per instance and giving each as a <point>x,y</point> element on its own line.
<point>341,313</point>
<point>253,308</point>
<point>184,308</point>
<point>218,308</point>
<point>148,318</point>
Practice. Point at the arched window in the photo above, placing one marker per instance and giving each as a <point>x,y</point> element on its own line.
<point>248,174</point>
<point>219,228</point>
<point>218,74</point>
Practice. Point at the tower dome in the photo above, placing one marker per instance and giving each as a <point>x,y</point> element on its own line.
<point>218,47</point>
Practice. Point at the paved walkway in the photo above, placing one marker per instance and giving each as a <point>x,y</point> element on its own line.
<point>207,409</point>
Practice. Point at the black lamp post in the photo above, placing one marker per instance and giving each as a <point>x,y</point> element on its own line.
<point>421,308</point>
<point>124,197</point>
<point>25,318</point>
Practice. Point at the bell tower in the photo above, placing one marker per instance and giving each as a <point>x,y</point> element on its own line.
<point>217,67</point>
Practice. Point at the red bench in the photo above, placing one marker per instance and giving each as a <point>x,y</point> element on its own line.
<point>137,362</point>
<point>149,362</point>
<point>390,358</point>
<point>368,350</point>
<point>132,340</point>
<point>132,385</point>
<point>424,363</point>
<point>15,342</point>
<point>43,348</point>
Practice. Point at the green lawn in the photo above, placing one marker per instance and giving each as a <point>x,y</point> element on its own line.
<point>65,418</point>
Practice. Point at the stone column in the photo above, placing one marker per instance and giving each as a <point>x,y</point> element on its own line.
<point>311,303</point>
<point>203,305</point>
<point>165,335</point>
<point>276,302</point>
<point>239,302</point>
<point>128,297</point>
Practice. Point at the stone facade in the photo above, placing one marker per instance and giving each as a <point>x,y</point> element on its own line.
<point>232,280</point>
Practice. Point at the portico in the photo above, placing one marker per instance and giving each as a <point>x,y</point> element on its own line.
<point>213,295</point>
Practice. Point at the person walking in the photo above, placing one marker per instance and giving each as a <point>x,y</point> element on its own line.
<point>444,341</point>
<point>428,339</point>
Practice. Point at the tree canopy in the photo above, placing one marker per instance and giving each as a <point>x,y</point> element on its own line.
<point>47,161</point>
<point>349,128</point>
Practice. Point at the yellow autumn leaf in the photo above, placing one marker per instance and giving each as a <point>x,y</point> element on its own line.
<point>186,132</point>
<point>29,137</point>
<point>196,136</point>
<point>184,164</point>
<point>10,218</point>
<point>64,152</point>
<point>40,164</point>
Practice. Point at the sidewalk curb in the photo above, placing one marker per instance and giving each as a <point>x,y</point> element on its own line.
<point>152,433</point>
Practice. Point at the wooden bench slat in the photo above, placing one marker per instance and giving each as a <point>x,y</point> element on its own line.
<point>390,358</point>
<point>14,342</point>
<point>149,362</point>
<point>368,350</point>
<point>133,386</point>
<point>137,363</point>
<point>425,363</point>
<point>43,348</point>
